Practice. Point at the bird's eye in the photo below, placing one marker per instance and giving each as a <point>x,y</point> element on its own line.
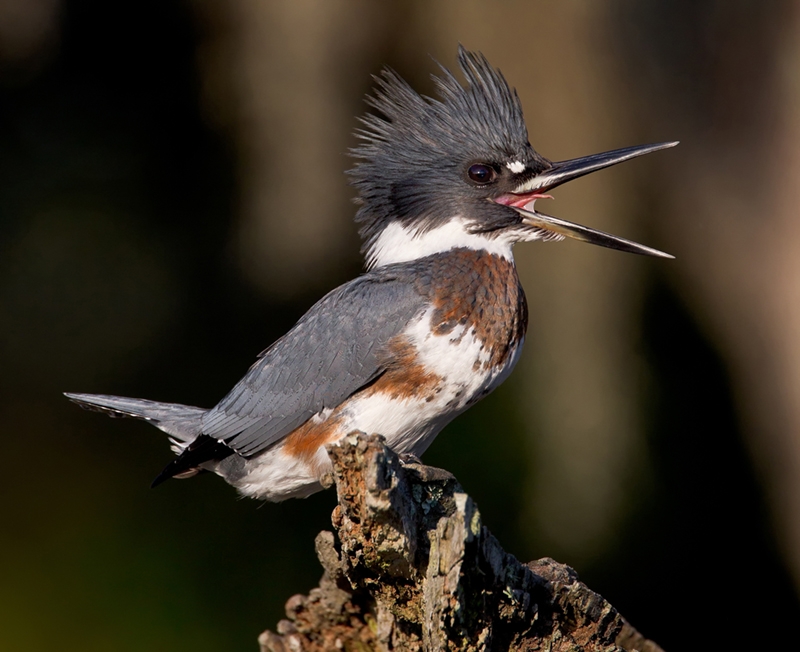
<point>481,173</point>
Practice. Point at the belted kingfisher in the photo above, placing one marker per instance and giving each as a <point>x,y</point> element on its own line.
<point>446,187</point>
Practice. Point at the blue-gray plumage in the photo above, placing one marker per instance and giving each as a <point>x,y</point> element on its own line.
<point>446,188</point>
<point>333,351</point>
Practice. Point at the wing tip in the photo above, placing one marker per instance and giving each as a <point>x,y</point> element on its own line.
<point>189,463</point>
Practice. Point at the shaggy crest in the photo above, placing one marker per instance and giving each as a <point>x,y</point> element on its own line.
<point>412,156</point>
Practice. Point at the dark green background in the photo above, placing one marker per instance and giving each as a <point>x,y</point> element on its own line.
<point>117,198</point>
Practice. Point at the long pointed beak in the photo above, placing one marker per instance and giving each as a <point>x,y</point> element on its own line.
<point>585,234</point>
<point>563,171</point>
<point>523,197</point>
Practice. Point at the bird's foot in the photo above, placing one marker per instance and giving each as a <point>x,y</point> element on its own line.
<point>409,458</point>
<point>327,480</point>
<point>423,471</point>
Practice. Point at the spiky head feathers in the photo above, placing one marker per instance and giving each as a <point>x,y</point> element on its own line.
<point>416,157</point>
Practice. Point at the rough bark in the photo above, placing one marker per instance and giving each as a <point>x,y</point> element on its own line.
<point>414,569</point>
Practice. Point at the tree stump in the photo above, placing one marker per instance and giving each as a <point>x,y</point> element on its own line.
<point>414,569</point>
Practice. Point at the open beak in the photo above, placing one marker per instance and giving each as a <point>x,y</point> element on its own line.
<point>523,198</point>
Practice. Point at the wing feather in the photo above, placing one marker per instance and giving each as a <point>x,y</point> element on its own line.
<point>331,353</point>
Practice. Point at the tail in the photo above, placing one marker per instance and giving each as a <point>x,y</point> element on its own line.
<point>180,422</point>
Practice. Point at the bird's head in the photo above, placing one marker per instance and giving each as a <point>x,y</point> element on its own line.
<point>459,171</point>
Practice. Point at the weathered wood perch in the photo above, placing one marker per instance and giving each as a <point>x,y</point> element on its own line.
<point>414,569</point>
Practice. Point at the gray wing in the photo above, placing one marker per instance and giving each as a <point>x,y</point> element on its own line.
<point>332,352</point>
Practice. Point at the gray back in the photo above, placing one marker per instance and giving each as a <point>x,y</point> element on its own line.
<point>331,353</point>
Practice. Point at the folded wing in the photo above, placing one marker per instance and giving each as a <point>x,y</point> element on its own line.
<point>331,353</point>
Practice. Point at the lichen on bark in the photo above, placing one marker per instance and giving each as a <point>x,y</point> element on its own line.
<point>411,567</point>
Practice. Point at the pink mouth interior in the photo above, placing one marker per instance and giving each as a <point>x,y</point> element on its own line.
<point>521,200</point>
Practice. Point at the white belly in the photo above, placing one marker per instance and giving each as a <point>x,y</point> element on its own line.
<point>409,423</point>
<point>460,359</point>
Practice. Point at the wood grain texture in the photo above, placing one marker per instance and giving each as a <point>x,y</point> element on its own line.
<point>412,568</point>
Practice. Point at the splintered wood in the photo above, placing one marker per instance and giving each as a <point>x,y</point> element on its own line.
<point>412,568</point>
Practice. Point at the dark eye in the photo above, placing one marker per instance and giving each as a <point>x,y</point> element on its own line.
<point>481,173</point>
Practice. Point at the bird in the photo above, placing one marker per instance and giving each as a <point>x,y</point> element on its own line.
<point>446,186</point>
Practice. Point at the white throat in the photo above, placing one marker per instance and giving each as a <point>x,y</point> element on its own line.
<point>400,244</point>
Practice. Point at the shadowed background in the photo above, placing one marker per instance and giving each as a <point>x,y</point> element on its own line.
<point>172,200</point>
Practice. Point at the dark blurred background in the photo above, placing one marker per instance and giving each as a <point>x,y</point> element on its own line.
<point>172,200</point>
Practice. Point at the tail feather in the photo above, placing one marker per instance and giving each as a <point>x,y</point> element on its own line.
<point>181,422</point>
<point>193,459</point>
